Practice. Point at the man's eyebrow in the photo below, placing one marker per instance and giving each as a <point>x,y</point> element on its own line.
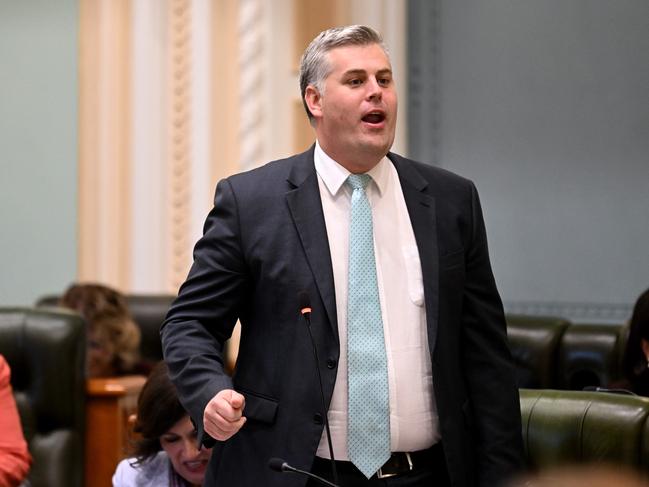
<point>362,72</point>
<point>354,72</point>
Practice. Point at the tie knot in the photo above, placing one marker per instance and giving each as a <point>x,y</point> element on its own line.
<point>358,181</point>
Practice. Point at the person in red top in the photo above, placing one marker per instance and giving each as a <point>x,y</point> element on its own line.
<point>15,459</point>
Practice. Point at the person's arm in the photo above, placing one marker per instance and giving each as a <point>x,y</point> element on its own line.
<point>153,471</point>
<point>15,459</point>
<point>488,365</point>
<point>125,474</point>
<point>203,316</point>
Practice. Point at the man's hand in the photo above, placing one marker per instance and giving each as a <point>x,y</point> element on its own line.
<point>223,415</point>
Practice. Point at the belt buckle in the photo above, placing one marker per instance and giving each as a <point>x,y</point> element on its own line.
<point>381,475</point>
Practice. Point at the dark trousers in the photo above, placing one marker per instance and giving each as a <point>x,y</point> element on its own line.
<point>432,473</point>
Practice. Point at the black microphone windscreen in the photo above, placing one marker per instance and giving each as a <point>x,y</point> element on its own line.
<point>276,464</point>
<point>303,300</point>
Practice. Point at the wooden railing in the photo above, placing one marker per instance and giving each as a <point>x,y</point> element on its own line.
<point>109,404</point>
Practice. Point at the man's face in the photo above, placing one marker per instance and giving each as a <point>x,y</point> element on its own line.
<point>356,114</point>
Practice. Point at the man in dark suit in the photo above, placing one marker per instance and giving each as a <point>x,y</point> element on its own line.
<point>438,402</point>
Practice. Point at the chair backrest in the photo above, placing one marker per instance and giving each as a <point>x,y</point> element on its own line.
<point>534,343</point>
<point>148,312</point>
<point>590,355</point>
<point>567,427</point>
<point>46,353</point>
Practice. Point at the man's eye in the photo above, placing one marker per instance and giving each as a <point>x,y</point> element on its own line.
<point>384,81</point>
<point>355,82</point>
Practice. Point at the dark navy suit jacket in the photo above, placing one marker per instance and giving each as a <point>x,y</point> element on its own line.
<point>264,241</point>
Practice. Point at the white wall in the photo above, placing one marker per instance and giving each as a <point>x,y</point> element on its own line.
<point>545,105</point>
<point>38,141</point>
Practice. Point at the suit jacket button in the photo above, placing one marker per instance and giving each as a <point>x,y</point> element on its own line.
<point>331,363</point>
<point>317,418</point>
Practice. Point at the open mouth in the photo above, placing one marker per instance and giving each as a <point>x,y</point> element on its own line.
<point>196,466</point>
<point>374,117</point>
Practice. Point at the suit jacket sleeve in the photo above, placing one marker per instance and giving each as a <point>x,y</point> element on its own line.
<point>489,369</point>
<point>203,316</point>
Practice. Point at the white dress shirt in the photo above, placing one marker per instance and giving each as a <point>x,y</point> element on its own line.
<point>413,415</point>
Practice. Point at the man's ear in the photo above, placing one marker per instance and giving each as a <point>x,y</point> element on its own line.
<point>313,101</point>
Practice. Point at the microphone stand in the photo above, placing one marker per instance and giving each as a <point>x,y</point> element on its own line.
<point>279,465</point>
<point>305,309</point>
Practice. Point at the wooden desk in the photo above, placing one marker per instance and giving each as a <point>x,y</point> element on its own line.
<point>109,403</point>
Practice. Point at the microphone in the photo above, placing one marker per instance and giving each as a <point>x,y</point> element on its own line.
<point>305,310</point>
<point>279,465</point>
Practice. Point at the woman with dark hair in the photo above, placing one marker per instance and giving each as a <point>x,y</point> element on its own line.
<point>165,452</point>
<point>113,337</point>
<point>635,362</point>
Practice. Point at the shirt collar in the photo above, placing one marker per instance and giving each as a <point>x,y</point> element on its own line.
<point>334,175</point>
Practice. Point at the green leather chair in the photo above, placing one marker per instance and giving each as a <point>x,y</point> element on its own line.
<point>149,311</point>
<point>590,356</point>
<point>46,353</point>
<point>534,342</point>
<point>568,427</point>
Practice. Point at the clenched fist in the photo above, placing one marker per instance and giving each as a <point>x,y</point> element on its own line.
<point>223,415</point>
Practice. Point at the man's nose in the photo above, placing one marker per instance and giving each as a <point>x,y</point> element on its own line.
<point>374,90</point>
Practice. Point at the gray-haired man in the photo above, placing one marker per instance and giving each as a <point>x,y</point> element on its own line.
<point>406,317</point>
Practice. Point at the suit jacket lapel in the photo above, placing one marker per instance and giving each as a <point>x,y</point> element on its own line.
<point>421,207</point>
<point>306,209</point>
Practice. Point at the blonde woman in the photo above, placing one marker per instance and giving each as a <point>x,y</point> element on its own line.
<point>112,336</point>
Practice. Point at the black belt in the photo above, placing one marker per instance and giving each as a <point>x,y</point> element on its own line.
<point>398,463</point>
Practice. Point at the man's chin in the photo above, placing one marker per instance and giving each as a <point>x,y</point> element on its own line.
<point>378,146</point>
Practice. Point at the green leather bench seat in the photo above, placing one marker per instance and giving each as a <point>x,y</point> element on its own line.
<point>567,427</point>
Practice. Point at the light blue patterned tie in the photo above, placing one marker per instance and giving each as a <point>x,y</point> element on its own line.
<point>368,435</point>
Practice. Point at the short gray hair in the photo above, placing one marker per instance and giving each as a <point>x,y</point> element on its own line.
<point>314,65</point>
